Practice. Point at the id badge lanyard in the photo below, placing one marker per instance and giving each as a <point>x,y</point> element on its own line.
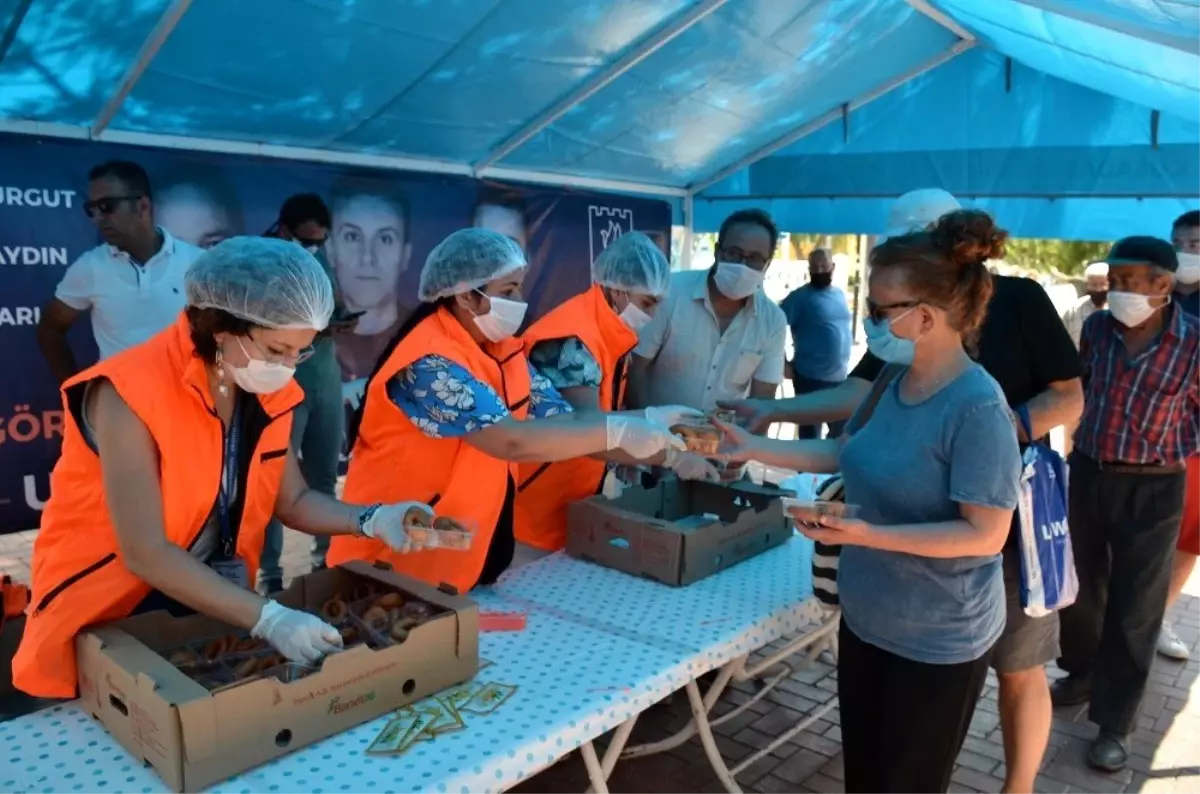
<point>229,478</point>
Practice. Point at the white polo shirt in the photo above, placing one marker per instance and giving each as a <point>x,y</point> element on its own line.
<point>692,363</point>
<point>129,302</point>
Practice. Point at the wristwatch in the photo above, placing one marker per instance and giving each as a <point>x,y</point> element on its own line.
<point>365,516</point>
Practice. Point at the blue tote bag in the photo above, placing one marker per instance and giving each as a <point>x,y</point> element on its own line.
<point>1048,579</point>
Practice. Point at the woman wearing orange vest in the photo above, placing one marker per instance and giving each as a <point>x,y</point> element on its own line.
<point>453,406</point>
<point>582,348</point>
<point>175,456</point>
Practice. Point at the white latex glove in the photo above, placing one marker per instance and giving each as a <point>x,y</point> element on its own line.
<point>672,414</point>
<point>640,437</point>
<point>387,524</point>
<point>298,635</point>
<point>690,466</point>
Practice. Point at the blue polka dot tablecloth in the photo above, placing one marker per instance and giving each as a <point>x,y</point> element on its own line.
<point>598,648</point>
<point>713,621</point>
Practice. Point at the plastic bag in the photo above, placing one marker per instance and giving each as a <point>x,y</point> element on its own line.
<point>1048,578</point>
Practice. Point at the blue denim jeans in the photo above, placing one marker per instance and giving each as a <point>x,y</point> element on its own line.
<point>317,441</point>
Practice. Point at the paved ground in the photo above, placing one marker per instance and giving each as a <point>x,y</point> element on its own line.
<point>1166,749</point>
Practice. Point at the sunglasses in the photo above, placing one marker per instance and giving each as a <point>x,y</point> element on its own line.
<point>878,311</point>
<point>106,206</point>
<point>310,244</point>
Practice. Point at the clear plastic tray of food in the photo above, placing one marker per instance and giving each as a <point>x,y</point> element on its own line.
<point>443,532</point>
<point>812,510</point>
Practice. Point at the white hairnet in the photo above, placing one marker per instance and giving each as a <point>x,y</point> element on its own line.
<point>269,282</point>
<point>466,260</point>
<point>632,263</point>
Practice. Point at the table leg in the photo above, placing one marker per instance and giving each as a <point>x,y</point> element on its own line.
<point>689,730</point>
<point>700,718</point>
<point>594,770</point>
<point>613,752</point>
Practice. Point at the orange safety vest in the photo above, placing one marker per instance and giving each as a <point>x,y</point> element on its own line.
<point>79,577</point>
<point>394,461</point>
<point>545,489</point>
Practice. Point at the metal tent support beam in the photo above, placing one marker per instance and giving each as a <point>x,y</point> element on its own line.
<point>689,224</point>
<point>158,36</point>
<point>926,8</point>
<point>386,162</point>
<point>14,23</point>
<point>831,116</point>
<point>651,44</point>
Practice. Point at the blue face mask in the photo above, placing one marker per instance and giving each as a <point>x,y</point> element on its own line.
<point>885,345</point>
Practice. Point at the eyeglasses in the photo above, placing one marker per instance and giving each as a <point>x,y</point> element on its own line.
<point>276,358</point>
<point>106,206</point>
<point>878,311</point>
<point>751,259</point>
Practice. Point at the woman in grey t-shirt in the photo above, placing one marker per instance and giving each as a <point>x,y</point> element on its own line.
<point>935,472</point>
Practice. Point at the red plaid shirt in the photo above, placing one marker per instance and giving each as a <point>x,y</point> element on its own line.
<point>1145,409</point>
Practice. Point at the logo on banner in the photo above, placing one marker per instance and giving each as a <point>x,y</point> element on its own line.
<point>605,225</point>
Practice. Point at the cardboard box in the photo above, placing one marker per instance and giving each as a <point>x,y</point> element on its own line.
<point>193,737</point>
<point>662,533</point>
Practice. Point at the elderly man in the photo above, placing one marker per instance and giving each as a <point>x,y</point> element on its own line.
<point>717,336</point>
<point>820,320</point>
<point>1141,361</point>
<point>1095,278</point>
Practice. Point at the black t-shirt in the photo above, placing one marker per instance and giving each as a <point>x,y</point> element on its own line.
<point>1023,343</point>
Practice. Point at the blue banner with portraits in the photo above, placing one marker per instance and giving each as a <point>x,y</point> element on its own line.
<point>384,225</point>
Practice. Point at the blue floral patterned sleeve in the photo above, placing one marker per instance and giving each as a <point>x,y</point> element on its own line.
<point>566,363</point>
<point>544,399</point>
<point>444,400</point>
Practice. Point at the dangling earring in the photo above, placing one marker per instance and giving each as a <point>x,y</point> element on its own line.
<point>221,387</point>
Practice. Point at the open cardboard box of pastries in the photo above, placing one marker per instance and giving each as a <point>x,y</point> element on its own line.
<point>200,701</point>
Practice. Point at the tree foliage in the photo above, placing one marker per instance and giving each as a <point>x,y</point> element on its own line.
<point>1056,257</point>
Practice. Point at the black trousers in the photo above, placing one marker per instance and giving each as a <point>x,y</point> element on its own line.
<point>803,385</point>
<point>903,722</point>
<point>1124,527</point>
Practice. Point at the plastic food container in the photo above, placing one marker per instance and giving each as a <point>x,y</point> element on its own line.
<point>445,533</point>
<point>812,511</point>
<point>700,437</point>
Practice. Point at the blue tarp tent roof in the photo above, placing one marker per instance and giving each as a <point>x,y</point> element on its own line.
<point>1075,118</point>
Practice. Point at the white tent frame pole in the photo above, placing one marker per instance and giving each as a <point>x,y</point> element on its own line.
<point>386,162</point>
<point>830,116</point>
<point>154,42</point>
<point>1182,43</point>
<point>924,7</point>
<point>650,45</point>
<point>689,223</point>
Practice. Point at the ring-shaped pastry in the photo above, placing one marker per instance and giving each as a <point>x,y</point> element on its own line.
<point>334,609</point>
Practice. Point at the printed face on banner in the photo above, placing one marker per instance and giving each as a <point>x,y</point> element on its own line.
<point>605,225</point>
<point>505,219</point>
<point>369,249</point>
<point>194,215</point>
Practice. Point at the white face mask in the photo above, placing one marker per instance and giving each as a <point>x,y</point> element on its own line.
<point>261,377</point>
<point>634,317</point>
<point>1189,268</point>
<point>1131,308</point>
<point>503,318</point>
<point>737,281</point>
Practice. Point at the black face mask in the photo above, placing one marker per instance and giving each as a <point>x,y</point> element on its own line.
<point>1098,298</point>
<point>820,280</point>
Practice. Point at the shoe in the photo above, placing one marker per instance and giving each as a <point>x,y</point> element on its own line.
<point>1071,691</point>
<point>1169,644</point>
<point>268,586</point>
<point>1109,752</point>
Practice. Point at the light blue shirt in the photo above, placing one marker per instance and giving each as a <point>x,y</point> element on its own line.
<point>821,332</point>
<point>916,464</point>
